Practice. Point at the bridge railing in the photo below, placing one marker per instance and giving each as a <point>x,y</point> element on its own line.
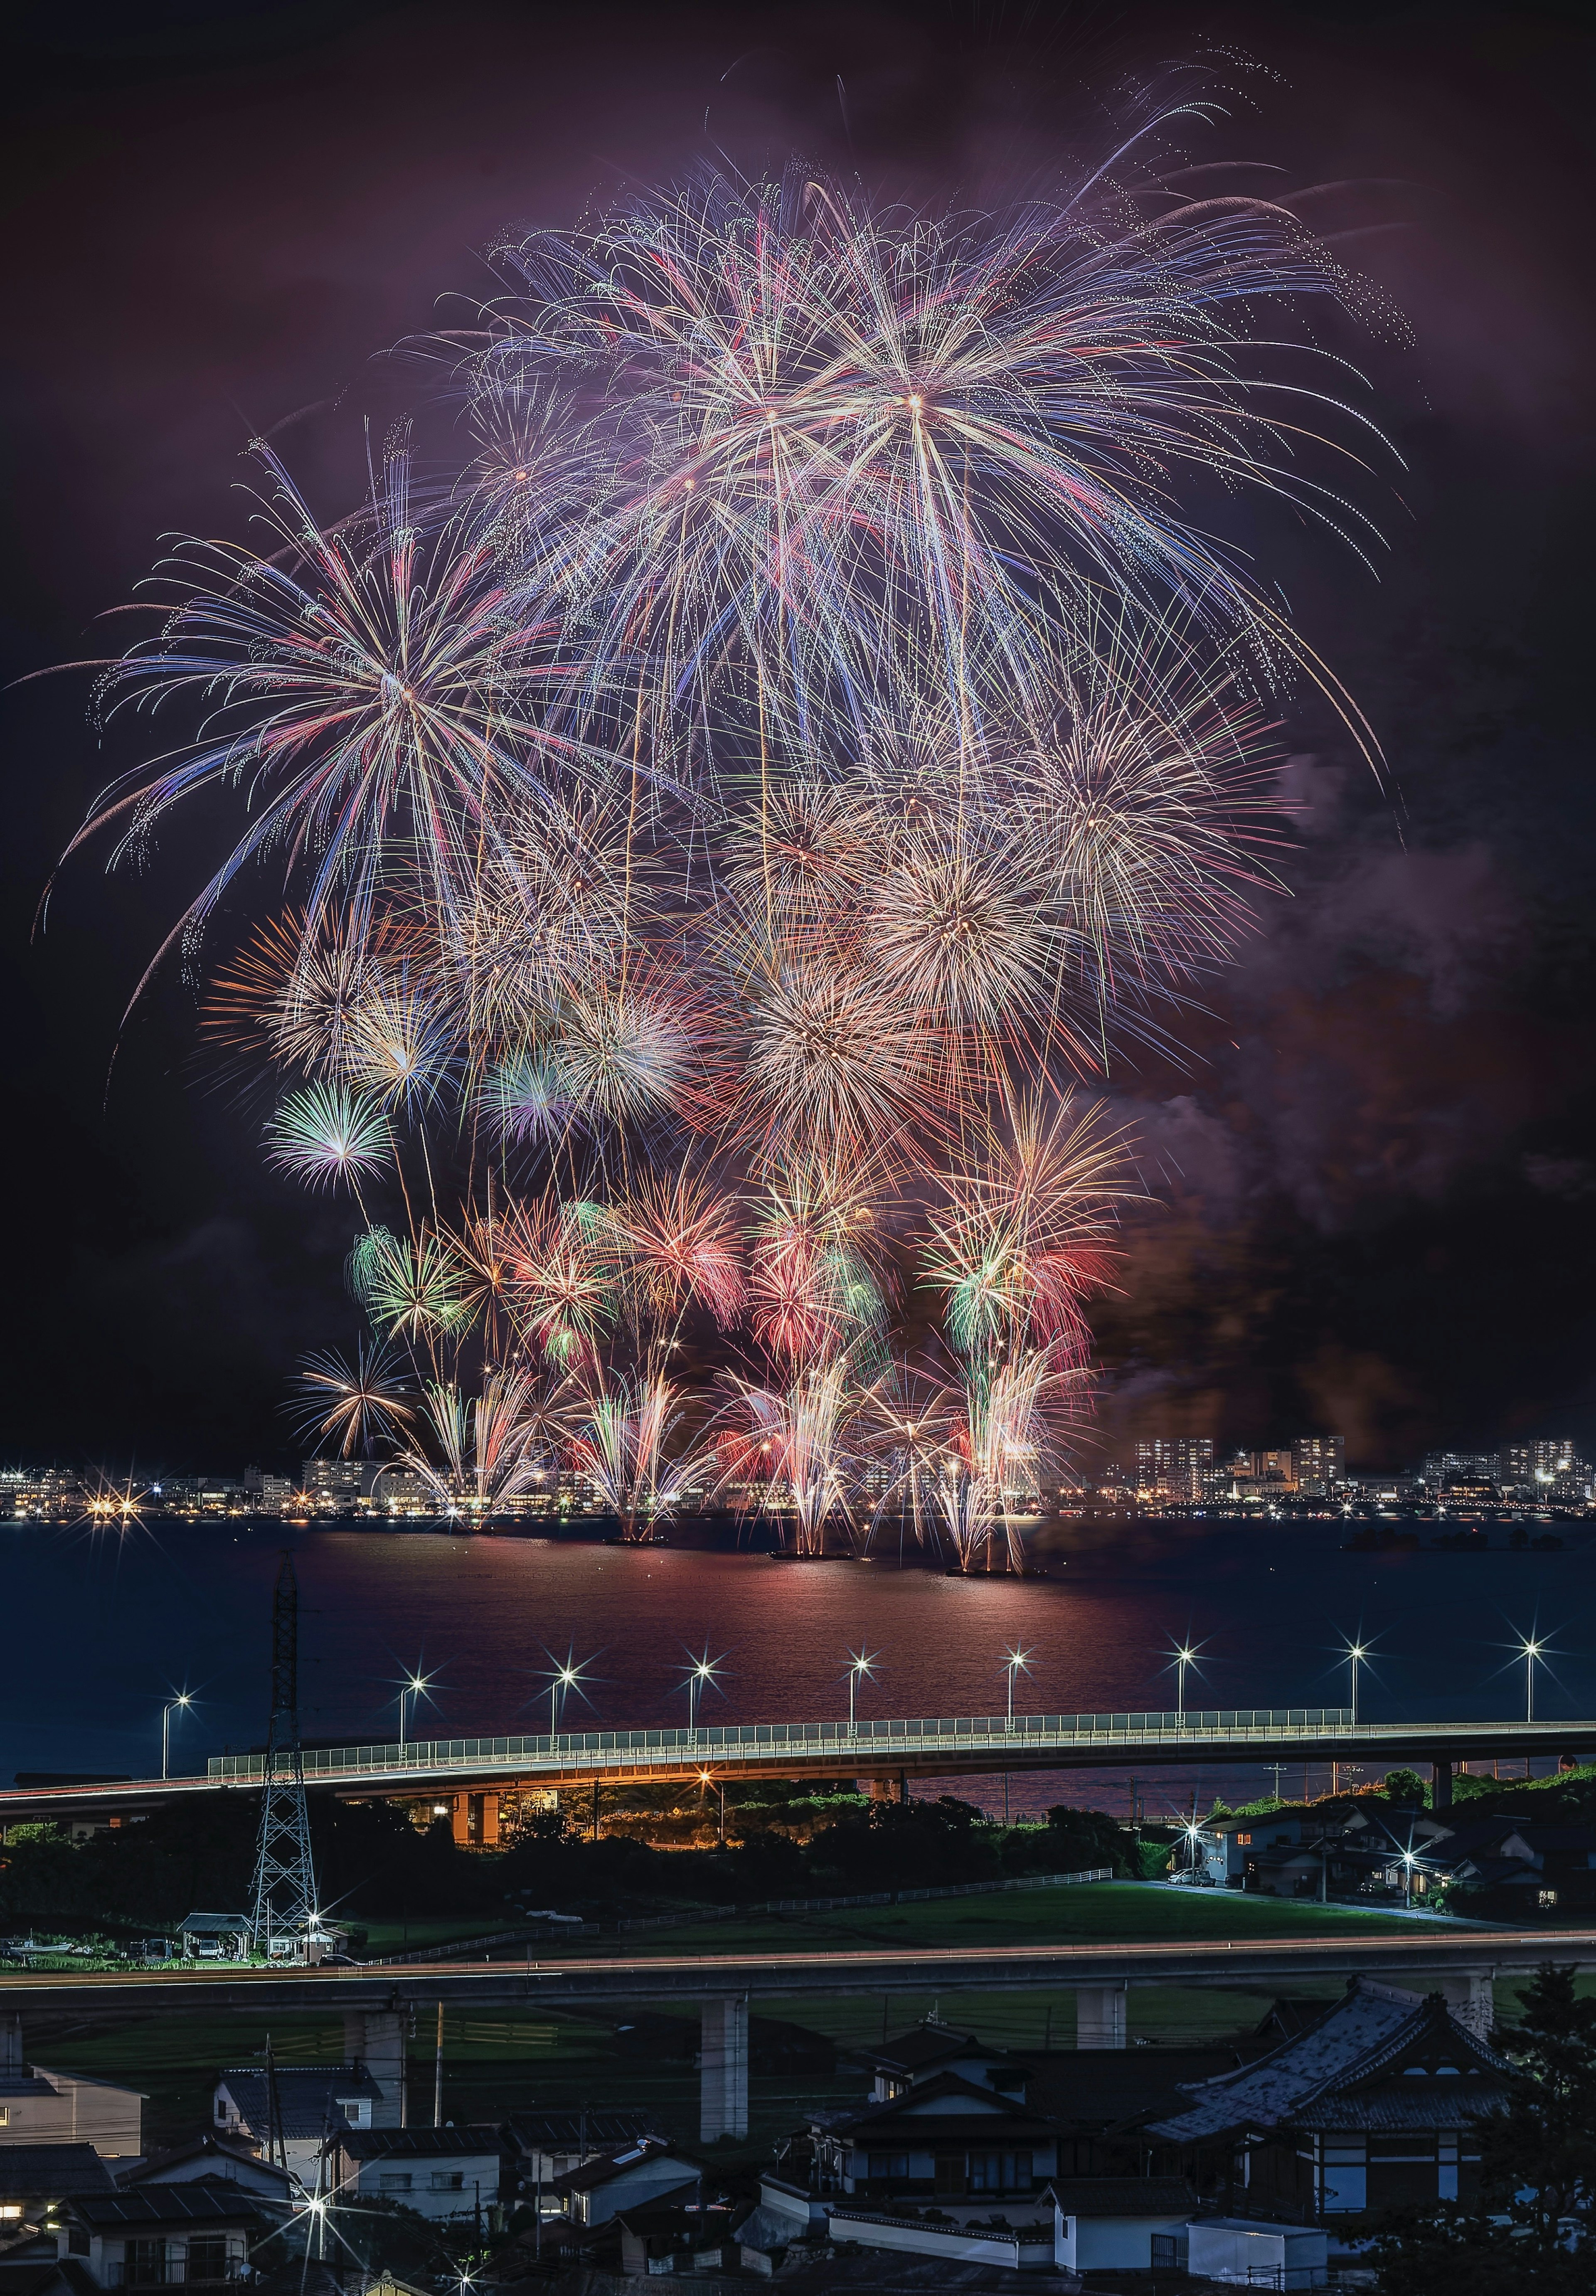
<point>777,1742</point>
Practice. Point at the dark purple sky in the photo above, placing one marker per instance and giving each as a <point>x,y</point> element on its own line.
<point>1377,1176</point>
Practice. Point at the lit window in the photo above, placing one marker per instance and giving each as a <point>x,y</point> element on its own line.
<point>1547,1898</point>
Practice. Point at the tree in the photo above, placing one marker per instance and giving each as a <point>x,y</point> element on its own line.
<point>1532,2226</point>
<point>1404,1786</point>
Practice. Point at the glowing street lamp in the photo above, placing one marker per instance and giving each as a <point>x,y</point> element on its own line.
<point>861,1664</point>
<point>1184,1656</point>
<point>1016,1661</point>
<point>1356,1653</point>
<point>1530,1650</point>
<point>167,1712</point>
<point>415,1685</point>
<point>700,1676</point>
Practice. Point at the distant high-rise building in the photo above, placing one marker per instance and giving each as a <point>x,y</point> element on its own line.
<point>1274,1469</point>
<point>333,1482</point>
<point>1318,1463</point>
<point>1173,1466</point>
<point>1441,1467</point>
<point>1526,1466</point>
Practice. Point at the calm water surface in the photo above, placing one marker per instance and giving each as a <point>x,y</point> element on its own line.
<point>96,1630</point>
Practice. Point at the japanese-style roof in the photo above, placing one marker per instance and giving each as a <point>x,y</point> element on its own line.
<point>569,2132</point>
<point>52,2171</point>
<point>203,2202</point>
<point>417,2143</point>
<point>214,1925</point>
<point>308,2096</point>
<point>1124,2196</point>
<point>929,2043</point>
<point>1406,2105</point>
<point>1357,2040</point>
<point>609,2165</point>
<point>156,2166</point>
<point>916,2104</point>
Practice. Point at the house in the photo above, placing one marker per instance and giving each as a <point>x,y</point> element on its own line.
<point>667,2238</point>
<point>295,2106</point>
<point>639,2174</point>
<point>1253,2254</point>
<point>1121,2224</point>
<point>36,2180</point>
<point>215,1937</point>
<point>1098,2099</point>
<point>217,2162</point>
<point>543,2146</point>
<point>932,2047</point>
<point>1375,2104</point>
<point>444,2173</point>
<point>197,2235</point>
<point>1516,1868</point>
<point>39,2107</point>
<point>945,2138</point>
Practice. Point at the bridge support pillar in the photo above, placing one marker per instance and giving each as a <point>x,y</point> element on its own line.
<point>724,2070</point>
<point>1100,2016</point>
<point>375,2038</point>
<point>1440,1790</point>
<point>1472,1998</point>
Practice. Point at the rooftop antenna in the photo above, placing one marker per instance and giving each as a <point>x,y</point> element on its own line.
<point>284,1893</point>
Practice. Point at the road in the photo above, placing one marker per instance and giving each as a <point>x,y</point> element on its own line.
<point>1267,1964</point>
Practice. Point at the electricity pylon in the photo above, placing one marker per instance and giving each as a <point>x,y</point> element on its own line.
<point>285,1903</point>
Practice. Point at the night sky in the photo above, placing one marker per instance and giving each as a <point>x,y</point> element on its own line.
<point>1373,1186</point>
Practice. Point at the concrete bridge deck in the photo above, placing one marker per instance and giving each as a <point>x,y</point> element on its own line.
<point>977,1745</point>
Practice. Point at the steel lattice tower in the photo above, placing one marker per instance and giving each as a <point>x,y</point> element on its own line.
<point>286,1902</point>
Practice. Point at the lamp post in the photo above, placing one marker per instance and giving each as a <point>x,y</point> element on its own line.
<point>412,1687</point>
<point>1532,1650</point>
<point>861,1664</point>
<point>1356,1653</point>
<point>167,1712</point>
<point>1016,1661</point>
<point>1183,1658</point>
<point>565,1678</point>
<point>700,1676</point>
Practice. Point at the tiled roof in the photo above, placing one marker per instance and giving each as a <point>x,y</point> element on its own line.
<point>1413,2104</point>
<point>309,2097</point>
<point>930,2132</point>
<point>200,2202</point>
<point>417,2143</point>
<point>46,2171</point>
<point>567,2132</point>
<point>926,2043</point>
<point>1099,2088</point>
<point>1125,2196</point>
<point>610,2165</point>
<point>157,2166</point>
<point>913,2103</point>
<point>1352,2042</point>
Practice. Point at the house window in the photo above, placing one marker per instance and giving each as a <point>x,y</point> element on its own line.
<point>1243,1841</point>
<point>5,2114</point>
<point>1165,2251</point>
<point>393,2180</point>
<point>144,2264</point>
<point>950,2172</point>
<point>207,2256</point>
<point>448,2180</point>
<point>1547,1898</point>
<point>1000,2172</point>
<point>889,2165</point>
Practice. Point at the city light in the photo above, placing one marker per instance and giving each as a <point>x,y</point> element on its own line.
<point>862,1667</point>
<point>182,1701</point>
<point>1016,1661</point>
<point>702,1674</point>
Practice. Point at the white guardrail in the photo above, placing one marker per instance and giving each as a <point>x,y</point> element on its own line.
<point>780,1742</point>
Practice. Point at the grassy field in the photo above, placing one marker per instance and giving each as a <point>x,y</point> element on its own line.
<point>1097,1912</point>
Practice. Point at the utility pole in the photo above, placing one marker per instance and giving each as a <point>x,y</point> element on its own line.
<point>438,2074</point>
<point>284,1896</point>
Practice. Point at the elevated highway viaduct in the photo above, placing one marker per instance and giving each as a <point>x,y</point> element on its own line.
<point>376,2002</point>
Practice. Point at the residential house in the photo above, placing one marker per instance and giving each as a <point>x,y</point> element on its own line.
<point>670,2237</point>
<point>1514,1867</point>
<point>36,2181</point>
<point>445,2174</point>
<point>639,2175</point>
<point>1375,2104</point>
<point>958,2142</point>
<point>215,2160</point>
<point>1121,2224</point>
<point>932,2047</point>
<point>294,2109</point>
<point>40,2107</point>
<point>543,2146</point>
<point>1097,2099</point>
<point>196,2234</point>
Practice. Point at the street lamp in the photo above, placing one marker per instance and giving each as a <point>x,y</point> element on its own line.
<point>1016,1661</point>
<point>1530,1650</point>
<point>700,1676</point>
<point>1356,1653</point>
<point>862,1663</point>
<point>414,1685</point>
<point>167,1712</point>
<point>1184,1656</point>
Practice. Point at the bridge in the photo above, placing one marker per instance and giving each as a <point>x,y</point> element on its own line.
<point>376,2003</point>
<point>475,1771</point>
